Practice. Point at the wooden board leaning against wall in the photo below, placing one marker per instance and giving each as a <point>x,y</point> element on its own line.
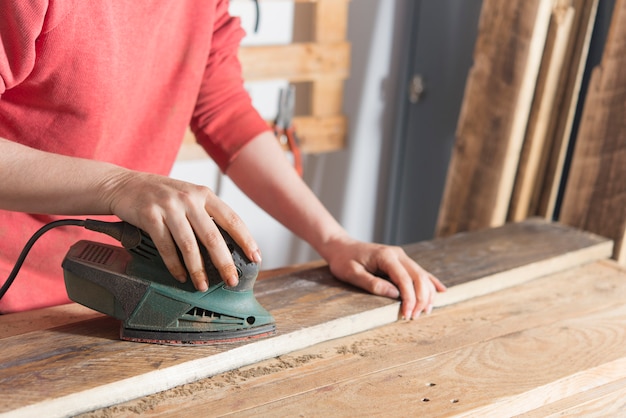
<point>595,196</point>
<point>317,63</point>
<point>517,116</point>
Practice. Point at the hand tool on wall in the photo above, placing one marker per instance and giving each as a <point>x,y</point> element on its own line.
<point>283,125</point>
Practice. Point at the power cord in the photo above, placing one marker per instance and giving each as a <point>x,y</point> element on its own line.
<point>29,245</point>
<point>127,234</point>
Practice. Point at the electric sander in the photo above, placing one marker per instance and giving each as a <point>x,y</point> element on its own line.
<point>132,284</point>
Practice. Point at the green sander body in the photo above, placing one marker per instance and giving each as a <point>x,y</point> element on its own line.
<point>132,284</point>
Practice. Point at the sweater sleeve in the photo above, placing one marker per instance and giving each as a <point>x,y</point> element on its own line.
<point>224,119</point>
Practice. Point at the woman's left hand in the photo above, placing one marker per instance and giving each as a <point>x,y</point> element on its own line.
<point>362,264</point>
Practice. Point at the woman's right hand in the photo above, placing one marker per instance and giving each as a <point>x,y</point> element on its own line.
<point>173,213</point>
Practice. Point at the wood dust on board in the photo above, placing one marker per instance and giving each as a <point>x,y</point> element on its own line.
<point>231,383</point>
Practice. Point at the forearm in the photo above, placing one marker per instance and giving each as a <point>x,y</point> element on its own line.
<point>266,176</point>
<point>40,182</point>
<point>175,214</point>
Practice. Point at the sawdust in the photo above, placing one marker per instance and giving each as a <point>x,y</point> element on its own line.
<point>236,379</point>
<point>231,380</point>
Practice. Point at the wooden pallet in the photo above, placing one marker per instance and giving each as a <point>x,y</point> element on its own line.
<point>60,364</point>
<point>317,64</point>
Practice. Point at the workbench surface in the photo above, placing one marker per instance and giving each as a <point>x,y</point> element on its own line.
<point>549,346</point>
<point>552,346</point>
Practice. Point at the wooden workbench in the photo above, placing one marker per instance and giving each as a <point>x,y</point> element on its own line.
<point>546,346</point>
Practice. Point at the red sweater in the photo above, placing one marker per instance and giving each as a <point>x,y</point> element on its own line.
<point>116,81</point>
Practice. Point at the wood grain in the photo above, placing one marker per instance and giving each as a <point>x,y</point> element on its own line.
<point>536,142</point>
<point>470,263</point>
<point>494,114</point>
<point>331,20</point>
<point>544,198</point>
<point>296,62</point>
<point>605,400</point>
<point>595,195</point>
<point>82,365</point>
<point>317,134</point>
<point>490,354</point>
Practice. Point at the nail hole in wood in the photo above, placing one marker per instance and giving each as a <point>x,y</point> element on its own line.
<point>431,384</point>
<point>454,401</point>
<point>425,400</point>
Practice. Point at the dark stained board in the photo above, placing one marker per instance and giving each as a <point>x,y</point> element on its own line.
<point>595,195</point>
<point>494,115</point>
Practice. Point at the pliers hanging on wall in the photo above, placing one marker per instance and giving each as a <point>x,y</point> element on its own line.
<point>283,125</point>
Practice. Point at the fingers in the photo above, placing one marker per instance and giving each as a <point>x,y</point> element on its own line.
<point>201,227</point>
<point>225,217</point>
<point>425,286</point>
<point>178,216</point>
<point>358,276</point>
<point>417,287</point>
<point>406,279</point>
<point>210,236</point>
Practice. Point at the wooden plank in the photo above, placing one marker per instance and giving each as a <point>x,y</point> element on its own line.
<point>418,360</point>
<point>296,62</point>
<point>595,195</point>
<point>60,315</point>
<point>514,245</point>
<point>316,135</point>
<point>494,114</point>
<point>326,97</point>
<point>82,366</point>
<point>331,20</point>
<point>559,132</point>
<point>536,143</point>
<point>590,344</point>
<point>608,400</point>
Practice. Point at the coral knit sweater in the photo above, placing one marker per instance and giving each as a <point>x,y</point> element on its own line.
<point>116,81</point>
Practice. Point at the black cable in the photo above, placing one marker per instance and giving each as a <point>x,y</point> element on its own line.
<point>258,16</point>
<point>30,243</point>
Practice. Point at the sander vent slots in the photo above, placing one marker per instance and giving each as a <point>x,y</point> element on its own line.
<point>96,254</point>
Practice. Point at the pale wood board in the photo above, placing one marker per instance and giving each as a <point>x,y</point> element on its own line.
<point>494,114</point>
<point>82,366</point>
<point>544,198</point>
<point>543,111</point>
<point>608,400</point>
<point>553,344</point>
<point>296,62</point>
<point>317,134</point>
<point>595,195</point>
<point>331,20</point>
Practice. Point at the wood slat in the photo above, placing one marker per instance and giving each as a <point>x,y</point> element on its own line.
<point>494,114</point>
<point>331,20</point>
<point>82,366</point>
<point>544,198</point>
<point>296,62</point>
<point>536,143</point>
<point>607,400</point>
<point>515,245</point>
<point>595,195</point>
<point>480,352</point>
<point>316,135</point>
